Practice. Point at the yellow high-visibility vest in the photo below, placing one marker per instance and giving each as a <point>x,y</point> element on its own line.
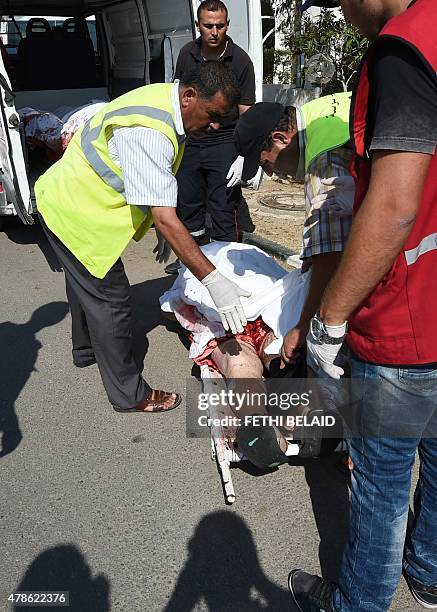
<point>326,121</point>
<point>82,198</point>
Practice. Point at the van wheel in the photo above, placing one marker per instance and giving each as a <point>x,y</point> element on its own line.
<point>2,223</point>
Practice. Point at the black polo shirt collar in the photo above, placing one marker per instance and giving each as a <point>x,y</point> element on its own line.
<point>196,52</point>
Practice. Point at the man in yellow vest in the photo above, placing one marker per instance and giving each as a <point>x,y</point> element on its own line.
<point>310,143</point>
<point>115,179</point>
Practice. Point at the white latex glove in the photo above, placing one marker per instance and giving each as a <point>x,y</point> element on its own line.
<point>226,296</point>
<point>340,199</point>
<point>255,182</point>
<point>321,356</point>
<point>162,249</point>
<point>235,172</point>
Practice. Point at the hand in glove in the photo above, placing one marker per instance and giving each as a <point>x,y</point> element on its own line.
<point>235,172</point>
<point>255,182</point>
<point>226,296</point>
<point>320,354</point>
<point>339,200</point>
<point>162,249</point>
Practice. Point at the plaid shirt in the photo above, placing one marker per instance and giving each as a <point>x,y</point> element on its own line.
<point>322,232</point>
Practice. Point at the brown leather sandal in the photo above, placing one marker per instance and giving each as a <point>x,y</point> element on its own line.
<point>159,401</point>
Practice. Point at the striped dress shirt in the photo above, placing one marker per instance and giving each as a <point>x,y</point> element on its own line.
<point>322,232</point>
<point>145,157</point>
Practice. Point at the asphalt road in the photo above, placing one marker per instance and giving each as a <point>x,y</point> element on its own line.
<point>125,512</point>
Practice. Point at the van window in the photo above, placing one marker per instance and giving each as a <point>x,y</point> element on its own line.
<point>51,52</point>
<point>12,30</point>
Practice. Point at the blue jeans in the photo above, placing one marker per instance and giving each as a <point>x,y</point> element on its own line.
<point>381,481</point>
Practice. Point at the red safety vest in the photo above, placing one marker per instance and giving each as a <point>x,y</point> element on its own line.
<point>397,322</point>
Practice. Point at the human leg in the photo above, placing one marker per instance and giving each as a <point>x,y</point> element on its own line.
<point>420,554</point>
<point>381,480</point>
<point>83,354</point>
<point>222,202</point>
<point>191,206</point>
<point>244,220</point>
<point>263,444</point>
<point>236,359</point>
<point>106,306</point>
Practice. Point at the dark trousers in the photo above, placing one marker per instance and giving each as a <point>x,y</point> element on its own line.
<point>101,325</point>
<point>202,187</point>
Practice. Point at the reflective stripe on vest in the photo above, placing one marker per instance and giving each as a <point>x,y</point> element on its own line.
<point>429,243</point>
<point>88,135</point>
<point>97,226</point>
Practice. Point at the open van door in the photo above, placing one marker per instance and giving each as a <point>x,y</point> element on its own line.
<point>126,30</point>
<point>15,191</point>
<point>170,26</point>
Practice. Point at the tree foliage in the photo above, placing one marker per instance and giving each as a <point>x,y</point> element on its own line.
<point>328,35</point>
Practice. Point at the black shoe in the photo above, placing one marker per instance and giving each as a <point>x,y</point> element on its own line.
<point>173,268</point>
<point>425,596</point>
<point>310,593</point>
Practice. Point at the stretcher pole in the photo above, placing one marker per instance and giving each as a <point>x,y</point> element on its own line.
<point>219,448</point>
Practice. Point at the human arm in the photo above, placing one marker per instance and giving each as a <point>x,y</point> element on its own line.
<point>146,158</point>
<point>339,198</point>
<point>242,108</point>
<point>402,109</point>
<point>403,137</point>
<point>322,269</point>
<point>324,239</point>
<point>181,61</point>
<point>379,231</point>
<point>182,243</point>
<point>246,81</point>
<point>236,169</point>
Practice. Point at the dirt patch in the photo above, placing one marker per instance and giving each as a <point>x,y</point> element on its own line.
<point>277,210</point>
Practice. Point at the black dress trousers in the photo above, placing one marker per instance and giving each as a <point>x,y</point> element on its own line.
<point>101,325</point>
<point>202,188</point>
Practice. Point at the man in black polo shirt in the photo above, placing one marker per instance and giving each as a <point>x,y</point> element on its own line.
<point>202,177</point>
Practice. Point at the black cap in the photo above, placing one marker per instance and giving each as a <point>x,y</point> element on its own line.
<point>252,129</point>
<point>321,3</point>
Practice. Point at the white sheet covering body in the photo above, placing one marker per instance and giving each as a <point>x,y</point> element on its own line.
<point>277,296</point>
<point>72,121</point>
<point>49,129</point>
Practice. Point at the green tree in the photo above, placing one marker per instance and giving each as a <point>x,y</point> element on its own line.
<point>328,35</point>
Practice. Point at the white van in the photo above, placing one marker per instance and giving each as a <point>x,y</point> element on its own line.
<point>90,50</point>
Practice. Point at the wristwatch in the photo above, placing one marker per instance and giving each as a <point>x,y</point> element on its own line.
<point>320,333</point>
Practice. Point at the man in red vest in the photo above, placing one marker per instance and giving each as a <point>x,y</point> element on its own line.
<point>383,302</point>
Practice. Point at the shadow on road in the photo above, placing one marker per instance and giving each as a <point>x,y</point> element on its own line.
<point>17,364</point>
<point>32,234</point>
<point>63,568</point>
<point>224,571</point>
